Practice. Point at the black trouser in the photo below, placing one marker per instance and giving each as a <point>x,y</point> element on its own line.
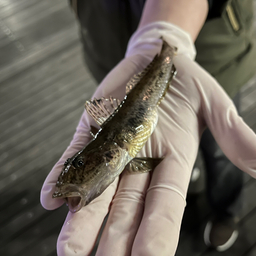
<point>224,180</point>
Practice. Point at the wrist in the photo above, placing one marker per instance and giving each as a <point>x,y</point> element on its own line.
<point>189,15</point>
<point>146,40</point>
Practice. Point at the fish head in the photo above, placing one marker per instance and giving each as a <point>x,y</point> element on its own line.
<point>88,173</point>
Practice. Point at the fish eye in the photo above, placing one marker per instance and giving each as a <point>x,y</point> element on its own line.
<point>78,163</point>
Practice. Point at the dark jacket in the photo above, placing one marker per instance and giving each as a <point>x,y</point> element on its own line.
<point>225,47</point>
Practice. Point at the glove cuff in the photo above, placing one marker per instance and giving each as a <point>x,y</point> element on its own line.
<point>146,40</point>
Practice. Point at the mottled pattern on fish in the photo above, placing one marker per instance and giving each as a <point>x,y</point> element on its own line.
<point>126,129</point>
<point>134,121</point>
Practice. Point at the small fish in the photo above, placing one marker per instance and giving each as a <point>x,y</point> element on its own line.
<point>125,128</point>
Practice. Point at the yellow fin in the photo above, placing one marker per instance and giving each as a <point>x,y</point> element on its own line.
<point>142,164</point>
<point>101,109</point>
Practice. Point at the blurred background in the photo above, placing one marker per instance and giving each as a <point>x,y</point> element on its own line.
<point>43,87</point>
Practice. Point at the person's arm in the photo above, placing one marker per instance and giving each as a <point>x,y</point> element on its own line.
<point>188,15</point>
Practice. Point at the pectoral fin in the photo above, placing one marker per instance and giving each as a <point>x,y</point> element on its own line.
<point>142,164</point>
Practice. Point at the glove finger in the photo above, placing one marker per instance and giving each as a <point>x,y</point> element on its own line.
<point>179,133</point>
<point>125,215</point>
<point>164,207</point>
<point>80,230</point>
<point>234,137</point>
<point>81,138</point>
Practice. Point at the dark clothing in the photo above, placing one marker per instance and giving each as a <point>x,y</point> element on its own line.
<point>226,45</point>
<point>113,22</point>
<point>224,48</point>
<point>224,181</point>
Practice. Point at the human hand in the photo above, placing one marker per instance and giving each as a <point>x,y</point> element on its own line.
<point>146,212</point>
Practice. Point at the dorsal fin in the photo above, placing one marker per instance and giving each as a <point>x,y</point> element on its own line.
<point>101,109</point>
<point>136,78</point>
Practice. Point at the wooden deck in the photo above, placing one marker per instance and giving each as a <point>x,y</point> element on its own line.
<point>43,86</point>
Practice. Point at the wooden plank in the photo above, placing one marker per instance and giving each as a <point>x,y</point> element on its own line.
<point>52,84</point>
<point>37,149</point>
<point>24,203</point>
<point>43,247</point>
<point>36,233</point>
<point>34,35</point>
<point>25,99</point>
<point>49,152</point>
<point>36,77</point>
<point>16,43</point>
<point>42,10</point>
<point>55,45</point>
<point>68,115</point>
<point>12,7</point>
<point>20,222</point>
<point>57,97</point>
<point>18,194</point>
<point>10,53</point>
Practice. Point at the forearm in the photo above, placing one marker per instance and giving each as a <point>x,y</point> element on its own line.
<point>189,15</point>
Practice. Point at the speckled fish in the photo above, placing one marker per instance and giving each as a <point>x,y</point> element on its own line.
<point>125,128</point>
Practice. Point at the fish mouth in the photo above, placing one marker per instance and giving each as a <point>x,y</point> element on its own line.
<point>74,200</point>
<point>75,203</point>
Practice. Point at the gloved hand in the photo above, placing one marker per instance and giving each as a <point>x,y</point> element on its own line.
<point>145,210</point>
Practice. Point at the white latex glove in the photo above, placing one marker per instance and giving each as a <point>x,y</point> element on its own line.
<point>145,210</point>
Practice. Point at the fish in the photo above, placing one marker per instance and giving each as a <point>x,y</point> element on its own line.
<point>124,129</point>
